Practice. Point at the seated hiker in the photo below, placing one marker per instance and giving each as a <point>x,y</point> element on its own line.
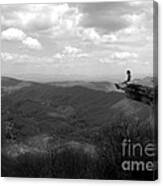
<point>123,84</point>
<point>128,72</point>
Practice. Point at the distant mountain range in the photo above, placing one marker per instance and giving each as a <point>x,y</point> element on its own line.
<point>11,84</point>
<point>147,81</point>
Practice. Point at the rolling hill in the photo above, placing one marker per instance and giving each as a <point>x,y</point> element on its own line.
<point>84,120</point>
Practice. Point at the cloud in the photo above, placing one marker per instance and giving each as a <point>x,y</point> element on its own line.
<point>89,33</point>
<point>139,3</point>
<point>119,22</point>
<point>18,35</point>
<point>105,60</point>
<point>16,58</point>
<point>70,52</point>
<point>13,34</point>
<point>41,17</point>
<point>92,35</point>
<point>123,55</point>
<point>111,32</point>
<point>120,57</point>
<point>73,52</point>
<point>80,55</point>
<point>32,43</point>
<point>58,56</point>
<point>96,22</point>
<point>5,56</point>
<point>105,17</point>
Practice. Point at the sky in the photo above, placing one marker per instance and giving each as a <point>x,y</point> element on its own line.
<point>77,41</point>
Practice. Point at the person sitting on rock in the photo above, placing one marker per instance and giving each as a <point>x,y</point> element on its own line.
<point>123,85</point>
<point>128,72</point>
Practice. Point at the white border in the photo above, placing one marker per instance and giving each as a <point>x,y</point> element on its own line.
<point>65,182</point>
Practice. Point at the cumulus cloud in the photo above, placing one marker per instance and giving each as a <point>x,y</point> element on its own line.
<point>19,35</point>
<point>56,20</point>
<point>105,60</point>
<point>5,56</point>
<point>41,17</point>
<point>13,34</point>
<point>94,32</point>
<point>96,22</point>
<point>89,33</point>
<point>121,58</point>
<point>92,35</point>
<point>141,25</point>
<point>102,17</point>
<point>58,56</point>
<point>117,22</point>
<point>32,43</point>
<point>123,55</point>
<point>16,58</point>
<point>70,52</point>
<point>138,3</point>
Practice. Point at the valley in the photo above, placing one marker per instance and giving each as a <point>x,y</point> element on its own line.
<point>49,127</point>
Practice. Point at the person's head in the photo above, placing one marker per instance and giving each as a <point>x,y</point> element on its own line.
<point>128,72</point>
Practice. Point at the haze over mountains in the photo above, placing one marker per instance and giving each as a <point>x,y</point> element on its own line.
<point>107,86</point>
<point>11,83</point>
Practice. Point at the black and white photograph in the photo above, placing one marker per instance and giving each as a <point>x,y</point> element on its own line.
<point>79,90</point>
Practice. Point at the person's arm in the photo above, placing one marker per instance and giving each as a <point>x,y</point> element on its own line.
<point>128,79</point>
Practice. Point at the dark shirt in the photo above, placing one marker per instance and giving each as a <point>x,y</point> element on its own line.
<point>128,77</point>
